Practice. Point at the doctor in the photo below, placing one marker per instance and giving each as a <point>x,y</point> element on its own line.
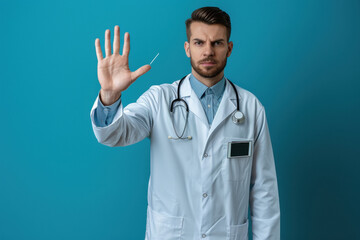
<point>208,165</point>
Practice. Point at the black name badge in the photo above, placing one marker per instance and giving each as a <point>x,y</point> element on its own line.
<point>239,149</point>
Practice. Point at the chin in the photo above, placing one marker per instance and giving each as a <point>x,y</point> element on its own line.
<point>209,74</point>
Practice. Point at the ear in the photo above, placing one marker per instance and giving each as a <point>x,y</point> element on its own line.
<point>187,48</point>
<point>230,47</point>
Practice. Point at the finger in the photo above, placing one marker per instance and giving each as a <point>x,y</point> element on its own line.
<point>107,43</point>
<point>116,40</point>
<point>126,48</point>
<point>99,54</point>
<point>144,69</point>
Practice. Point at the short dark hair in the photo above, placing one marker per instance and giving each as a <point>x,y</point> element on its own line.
<point>209,15</point>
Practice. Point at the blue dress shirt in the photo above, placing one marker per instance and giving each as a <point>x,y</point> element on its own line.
<point>104,115</point>
<point>210,99</point>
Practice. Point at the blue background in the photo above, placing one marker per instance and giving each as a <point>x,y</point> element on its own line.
<point>301,58</point>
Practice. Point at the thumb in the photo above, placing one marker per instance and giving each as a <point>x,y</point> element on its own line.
<point>140,71</point>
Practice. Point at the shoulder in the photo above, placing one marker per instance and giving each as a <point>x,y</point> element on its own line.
<point>169,87</point>
<point>158,93</point>
<point>164,89</point>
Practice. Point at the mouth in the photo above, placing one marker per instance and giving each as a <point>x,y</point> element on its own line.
<point>208,63</point>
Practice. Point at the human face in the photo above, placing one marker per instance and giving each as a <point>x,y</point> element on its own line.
<point>208,51</point>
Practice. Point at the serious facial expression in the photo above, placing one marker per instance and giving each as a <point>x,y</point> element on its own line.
<point>208,49</point>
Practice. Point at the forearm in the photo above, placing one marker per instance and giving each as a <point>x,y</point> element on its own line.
<point>127,125</point>
<point>121,131</point>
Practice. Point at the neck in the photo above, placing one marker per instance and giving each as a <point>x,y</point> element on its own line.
<point>209,82</point>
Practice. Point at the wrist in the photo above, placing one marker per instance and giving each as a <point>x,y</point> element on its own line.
<point>108,97</point>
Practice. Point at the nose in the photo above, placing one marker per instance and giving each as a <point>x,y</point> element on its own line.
<point>208,49</point>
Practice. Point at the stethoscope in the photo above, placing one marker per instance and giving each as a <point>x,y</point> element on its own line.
<point>237,116</point>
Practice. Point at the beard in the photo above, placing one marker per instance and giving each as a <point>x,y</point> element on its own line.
<point>211,71</point>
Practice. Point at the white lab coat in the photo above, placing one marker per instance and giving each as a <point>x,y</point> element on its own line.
<point>195,191</point>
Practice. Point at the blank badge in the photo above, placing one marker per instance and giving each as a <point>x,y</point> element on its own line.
<point>239,149</point>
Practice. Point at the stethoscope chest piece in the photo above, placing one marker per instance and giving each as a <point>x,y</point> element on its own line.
<point>238,117</point>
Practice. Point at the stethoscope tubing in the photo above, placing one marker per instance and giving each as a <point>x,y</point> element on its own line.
<point>187,107</point>
<point>178,99</point>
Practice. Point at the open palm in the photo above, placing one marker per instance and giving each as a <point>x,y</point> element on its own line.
<point>113,71</point>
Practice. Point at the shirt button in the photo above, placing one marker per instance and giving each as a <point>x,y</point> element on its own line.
<point>205,155</point>
<point>209,106</point>
<point>203,236</point>
<point>205,195</point>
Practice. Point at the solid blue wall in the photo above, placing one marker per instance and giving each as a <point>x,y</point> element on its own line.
<point>301,58</point>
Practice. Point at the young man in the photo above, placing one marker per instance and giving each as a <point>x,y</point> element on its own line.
<point>207,163</point>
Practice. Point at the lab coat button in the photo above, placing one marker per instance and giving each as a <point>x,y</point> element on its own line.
<point>205,195</point>
<point>205,155</point>
<point>203,236</point>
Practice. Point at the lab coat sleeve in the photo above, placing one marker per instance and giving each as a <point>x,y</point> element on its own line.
<point>130,124</point>
<point>104,115</point>
<point>264,197</point>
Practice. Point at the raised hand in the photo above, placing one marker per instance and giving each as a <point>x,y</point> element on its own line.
<point>113,71</point>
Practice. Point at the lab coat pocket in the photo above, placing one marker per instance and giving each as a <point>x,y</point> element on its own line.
<point>160,227</point>
<point>236,168</point>
<point>239,232</point>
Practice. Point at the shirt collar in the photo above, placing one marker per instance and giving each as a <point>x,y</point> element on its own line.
<point>200,88</point>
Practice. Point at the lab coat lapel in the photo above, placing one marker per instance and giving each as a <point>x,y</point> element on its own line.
<point>188,94</point>
<point>227,106</point>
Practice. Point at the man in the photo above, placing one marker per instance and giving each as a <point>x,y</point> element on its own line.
<point>207,164</point>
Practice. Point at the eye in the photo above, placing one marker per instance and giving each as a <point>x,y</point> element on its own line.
<point>198,43</point>
<point>218,43</point>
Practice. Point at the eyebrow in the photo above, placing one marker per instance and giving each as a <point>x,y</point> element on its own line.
<point>217,40</point>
